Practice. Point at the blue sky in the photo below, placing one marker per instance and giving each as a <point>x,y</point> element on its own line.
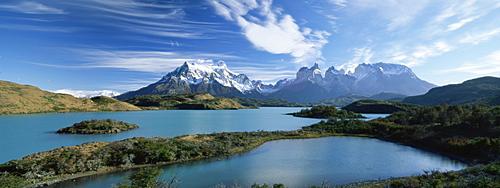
<point>123,45</point>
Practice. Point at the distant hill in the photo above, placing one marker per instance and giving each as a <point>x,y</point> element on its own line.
<point>25,99</point>
<point>484,90</point>
<point>377,106</point>
<point>345,100</point>
<point>203,101</point>
<point>266,102</point>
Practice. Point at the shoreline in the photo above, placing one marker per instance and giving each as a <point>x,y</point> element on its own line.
<point>110,170</point>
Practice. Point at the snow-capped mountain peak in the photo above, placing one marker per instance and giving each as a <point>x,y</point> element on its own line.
<point>312,74</point>
<point>388,69</point>
<point>197,73</point>
<point>309,84</point>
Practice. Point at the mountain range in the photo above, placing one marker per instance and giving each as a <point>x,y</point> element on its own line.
<point>87,94</point>
<point>309,84</point>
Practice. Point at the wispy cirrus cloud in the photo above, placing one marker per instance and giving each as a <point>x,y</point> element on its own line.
<point>39,28</point>
<point>360,55</point>
<point>489,64</point>
<point>268,29</point>
<point>31,7</point>
<point>454,15</point>
<point>143,61</point>
<point>478,37</point>
<point>415,55</point>
<point>398,13</point>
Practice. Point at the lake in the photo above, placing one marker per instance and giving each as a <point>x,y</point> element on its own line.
<point>297,163</point>
<point>22,135</point>
<point>338,160</point>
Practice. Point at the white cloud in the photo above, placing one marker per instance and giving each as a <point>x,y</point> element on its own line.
<point>29,7</point>
<point>271,31</point>
<point>38,28</point>
<point>341,3</point>
<point>461,23</point>
<point>361,55</point>
<point>421,53</point>
<point>455,15</point>
<point>483,66</point>
<point>479,37</point>
<point>417,55</point>
<point>399,13</point>
<point>143,61</point>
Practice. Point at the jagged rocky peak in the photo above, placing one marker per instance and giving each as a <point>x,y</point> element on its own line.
<point>332,73</point>
<point>312,74</point>
<point>363,70</point>
<point>209,72</point>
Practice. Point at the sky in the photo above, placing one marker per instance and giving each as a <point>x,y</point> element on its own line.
<point>123,45</point>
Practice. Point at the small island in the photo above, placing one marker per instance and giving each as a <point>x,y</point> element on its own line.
<point>94,126</point>
<point>326,112</point>
<point>379,107</point>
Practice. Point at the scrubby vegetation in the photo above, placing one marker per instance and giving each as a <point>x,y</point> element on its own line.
<point>99,156</point>
<point>471,133</point>
<point>475,176</point>
<point>347,99</point>
<point>326,112</point>
<point>377,106</point>
<point>104,126</point>
<point>201,101</point>
<point>468,131</point>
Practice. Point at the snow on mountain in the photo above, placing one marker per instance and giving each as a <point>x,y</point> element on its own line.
<point>87,94</point>
<point>388,69</point>
<point>309,85</point>
<point>197,73</point>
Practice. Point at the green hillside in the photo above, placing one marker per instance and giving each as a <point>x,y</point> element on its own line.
<point>484,90</point>
<point>25,99</point>
<point>202,101</point>
<point>98,126</point>
<point>376,106</point>
<point>344,100</point>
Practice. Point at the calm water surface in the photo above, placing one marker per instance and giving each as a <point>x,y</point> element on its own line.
<point>298,163</point>
<point>22,135</point>
<point>338,160</point>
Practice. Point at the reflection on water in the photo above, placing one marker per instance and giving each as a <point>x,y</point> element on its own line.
<point>301,162</point>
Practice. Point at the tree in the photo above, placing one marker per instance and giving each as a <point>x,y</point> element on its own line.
<point>147,178</point>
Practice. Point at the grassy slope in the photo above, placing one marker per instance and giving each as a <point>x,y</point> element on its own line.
<point>484,90</point>
<point>184,101</point>
<point>25,99</point>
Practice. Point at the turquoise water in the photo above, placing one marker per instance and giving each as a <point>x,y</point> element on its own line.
<point>298,163</point>
<point>22,135</point>
<point>295,163</point>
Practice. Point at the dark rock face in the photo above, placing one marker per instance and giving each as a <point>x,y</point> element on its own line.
<point>308,86</point>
